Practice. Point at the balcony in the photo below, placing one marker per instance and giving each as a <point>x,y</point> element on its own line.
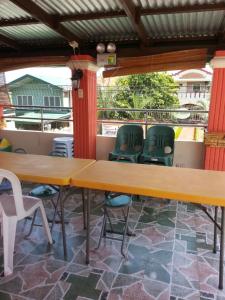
<point>188,125</point>
<point>172,242</point>
<point>192,97</point>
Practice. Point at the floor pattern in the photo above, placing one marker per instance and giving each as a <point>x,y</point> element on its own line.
<point>169,258</point>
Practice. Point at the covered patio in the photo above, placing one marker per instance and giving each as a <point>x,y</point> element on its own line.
<point>171,254</point>
<point>169,258</point>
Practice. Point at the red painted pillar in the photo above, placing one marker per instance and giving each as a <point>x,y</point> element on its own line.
<point>84,107</point>
<point>215,156</point>
<point>1,118</point>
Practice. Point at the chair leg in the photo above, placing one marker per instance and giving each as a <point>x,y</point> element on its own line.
<point>32,224</point>
<point>55,211</point>
<point>9,235</point>
<point>110,223</point>
<point>45,223</point>
<point>1,224</point>
<point>102,230</point>
<point>125,230</point>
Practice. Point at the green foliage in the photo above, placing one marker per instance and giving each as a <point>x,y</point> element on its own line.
<point>105,100</point>
<point>152,90</point>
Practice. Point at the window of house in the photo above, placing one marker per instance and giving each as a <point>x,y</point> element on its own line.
<point>52,101</point>
<point>196,87</point>
<point>24,100</point>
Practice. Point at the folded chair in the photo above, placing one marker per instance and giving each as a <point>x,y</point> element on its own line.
<point>112,202</point>
<point>159,146</point>
<point>14,208</point>
<point>129,144</point>
<point>46,192</point>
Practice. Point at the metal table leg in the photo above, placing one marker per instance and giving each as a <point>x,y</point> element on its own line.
<point>84,209</point>
<point>63,221</point>
<point>215,230</point>
<point>88,228</point>
<point>221,249</point>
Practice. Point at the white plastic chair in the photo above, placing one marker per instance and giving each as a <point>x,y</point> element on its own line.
<point>12,209</point>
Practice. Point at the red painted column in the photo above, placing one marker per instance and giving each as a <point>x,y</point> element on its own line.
<point>215,156</point>
<point>84,107</point>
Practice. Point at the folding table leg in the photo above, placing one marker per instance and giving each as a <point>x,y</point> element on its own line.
<point>215,230</point>
<point>88,228</point>
<point>84,209</point>
<point>221,249</point>
<point>63,221</point>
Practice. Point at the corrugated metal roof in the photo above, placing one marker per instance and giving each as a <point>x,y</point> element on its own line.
<point>171,3</point>
<point>8,10</point>
<point>103,29</point>
<point>158,26</point>
<point>63,7</point>
<point>183,24</point>
<point>30,32</point>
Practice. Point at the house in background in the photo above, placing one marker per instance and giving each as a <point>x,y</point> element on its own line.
<point>194,86</point>
<point>31,91</point>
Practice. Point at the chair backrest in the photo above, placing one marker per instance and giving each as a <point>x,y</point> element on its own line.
<point>129,139</point>
<point>16,189</point>
<point>158,137</point>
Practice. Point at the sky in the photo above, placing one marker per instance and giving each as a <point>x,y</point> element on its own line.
<point>54,75</point>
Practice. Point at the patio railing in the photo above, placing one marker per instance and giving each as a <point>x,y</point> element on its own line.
<point>148,117</point>
<point>39,117</point>
<point>111,117</point>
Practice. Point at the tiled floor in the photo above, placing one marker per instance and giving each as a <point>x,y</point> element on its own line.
<point>170,257</point>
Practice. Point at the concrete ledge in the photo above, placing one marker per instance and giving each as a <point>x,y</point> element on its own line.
<point>188,154</point>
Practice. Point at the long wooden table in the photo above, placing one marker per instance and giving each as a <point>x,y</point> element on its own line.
<point>182,184</point>
<point>45,170</point>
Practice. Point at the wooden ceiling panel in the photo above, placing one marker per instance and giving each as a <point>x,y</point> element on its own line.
<point>179,60</point>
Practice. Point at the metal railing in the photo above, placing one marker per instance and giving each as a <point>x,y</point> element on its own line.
<point>44,114</point>
<point>112,116</point>
<point>148,117</point>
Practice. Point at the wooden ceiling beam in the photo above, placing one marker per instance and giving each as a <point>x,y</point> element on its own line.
<point>38,13</point>
<point>134,16</point>
<point>178,56</point>
<point>22,62</point>
<point>154,68</point>
<point>9,42</point>
<point>128,50</point>
<point>18,21</point>
<point>211,45</point>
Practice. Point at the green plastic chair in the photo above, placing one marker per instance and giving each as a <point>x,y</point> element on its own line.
<point>159,146</point>
<point>129,144</point>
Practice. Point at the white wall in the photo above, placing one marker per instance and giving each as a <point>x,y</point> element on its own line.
<point>34,142</point>
<point>189,154</point>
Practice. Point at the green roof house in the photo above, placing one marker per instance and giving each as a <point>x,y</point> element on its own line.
<point>31,91</point>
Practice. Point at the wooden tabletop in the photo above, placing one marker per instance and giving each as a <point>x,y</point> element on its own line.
<point>192,185</point>
<point>43,169</point>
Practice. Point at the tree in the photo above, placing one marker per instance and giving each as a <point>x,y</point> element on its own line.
<point>151,90</point>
